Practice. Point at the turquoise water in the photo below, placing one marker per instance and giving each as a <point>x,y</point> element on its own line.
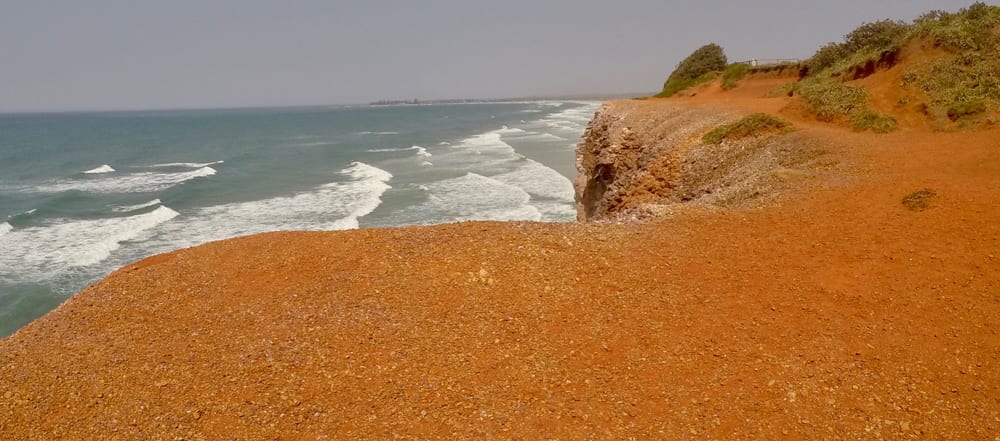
<point>83,194</point>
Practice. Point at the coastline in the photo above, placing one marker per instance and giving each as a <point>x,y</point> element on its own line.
<point>832,312</point>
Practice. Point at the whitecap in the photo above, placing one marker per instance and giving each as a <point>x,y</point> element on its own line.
<point>489,142</point>
<point>185,164</point>
<point>573,119</point>
<point>332,206</point>
<point>5,228</point>
<point>102,169</point>
<point>128,208</point>
<point>34,253</point>
<point>378,133</point>
<point>420,151</point>
<point>539,180</point>
<point>426,164</point>
<point>311,144</point>
<point>471,197</point>
<point>142,182</point>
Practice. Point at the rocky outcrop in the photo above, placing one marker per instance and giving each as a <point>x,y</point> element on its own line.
<point>640,159</point>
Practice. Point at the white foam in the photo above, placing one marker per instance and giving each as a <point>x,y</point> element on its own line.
<point>128,208</point>
<point>312,144</point>
<point>5,228</point>
<point>102,169</point>
<point>489,142</point>
<point>504,130</point>
<point>185,164</point>
<point>420,151</point>
<point>378,133</point>
<point>333,206</point>
<point>35,253</point>
<point>426,164</point>
<point>471,197</point>
<point>132,183</point>
<point>574,119</point>
<point>539,180</point>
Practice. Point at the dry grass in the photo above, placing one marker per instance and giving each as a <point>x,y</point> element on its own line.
<point>919,200</point>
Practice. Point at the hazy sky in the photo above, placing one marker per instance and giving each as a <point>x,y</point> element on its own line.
<point>105,54</point>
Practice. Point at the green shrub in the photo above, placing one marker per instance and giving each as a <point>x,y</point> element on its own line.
<point>733,73</point>
<point>754,125</point>
<point>871,120</point>
<point>970,29</point>
<point>829,99</point>
<point>876,36</point>
<point>826,57</point>
<point>958,111</point>
<point>695,69</point>
<point>678,85</point>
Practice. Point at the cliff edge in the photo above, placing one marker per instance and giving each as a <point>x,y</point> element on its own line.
<point>644,158</point>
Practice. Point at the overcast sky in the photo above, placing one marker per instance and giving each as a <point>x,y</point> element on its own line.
<point>130,54</point>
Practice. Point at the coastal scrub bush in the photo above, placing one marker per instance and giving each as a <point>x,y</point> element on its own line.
<point>878,36</point>
<point>970,29</point>
<point>871,120</point>
<point>828,99</point>
<point>699,67</point>
<point>966,85</point>
<point>961,110</point>
<point>733,73</point>
<point>753,125</point>
<point>827,55</point>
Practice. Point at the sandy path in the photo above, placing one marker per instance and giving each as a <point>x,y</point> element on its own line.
<point>836,313</point>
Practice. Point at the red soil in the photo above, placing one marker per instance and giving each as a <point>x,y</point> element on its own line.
<point>835,313</point>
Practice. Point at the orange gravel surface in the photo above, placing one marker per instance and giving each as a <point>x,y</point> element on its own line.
<point>834,313</point>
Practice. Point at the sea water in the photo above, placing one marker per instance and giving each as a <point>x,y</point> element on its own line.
<point>82,194</point>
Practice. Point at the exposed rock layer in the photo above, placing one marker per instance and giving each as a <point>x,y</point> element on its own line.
<point>637,160</point>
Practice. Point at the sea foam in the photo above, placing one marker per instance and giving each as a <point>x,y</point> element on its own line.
<point>99,170</point>
<point>332,206</point>
<point>470,197</point>
<point>128,208</point>
<point>34,253</point>
<point>5,228</point>
<point>420,151</point>
<point>142,182</point>
<point>185,164</point>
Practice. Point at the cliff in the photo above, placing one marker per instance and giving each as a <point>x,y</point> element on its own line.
<point>641,159</point>
<point>829,306</point>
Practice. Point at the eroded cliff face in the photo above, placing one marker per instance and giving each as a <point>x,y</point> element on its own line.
<point>640,159</point>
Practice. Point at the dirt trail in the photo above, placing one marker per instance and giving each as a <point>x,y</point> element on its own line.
<point>833,314</point>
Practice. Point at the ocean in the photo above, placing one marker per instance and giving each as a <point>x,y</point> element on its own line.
<point>82,194</point>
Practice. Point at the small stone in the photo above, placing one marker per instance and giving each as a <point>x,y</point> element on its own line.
<point>905,425</point>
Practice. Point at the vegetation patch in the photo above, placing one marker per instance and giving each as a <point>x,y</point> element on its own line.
<point>871,120</point>
<point>918,200</point>
<point>757,124</point>
<point>963,86</point>
<point>700,67</point>
<point>829,99</point>
<point>734,73</point>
